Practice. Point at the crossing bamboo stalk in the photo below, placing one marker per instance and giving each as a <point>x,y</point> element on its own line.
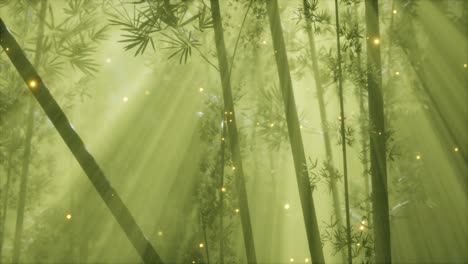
<point>71,138</point>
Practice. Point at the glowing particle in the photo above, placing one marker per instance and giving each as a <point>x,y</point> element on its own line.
<point>201,245</point>
<point>291,260</point>
<point>230,120</point>
<point>456,149</point>
<point>237,210</point>
<point>361,227</point>
<point>147,92</point>
<point>222,139</point>
<point>358,244</point>
<point>68,216</point>
<point>230,113</point>
<point>32,84</point>
<point>301,126</point>
<point>395,11</point>
<point>193,261</point>
<point>125,99</point>
<point>376,41</point>
<point>286,206</point>
<point>7,49</point>
<point>264,42</point>
<point>418,157</point>
<point>397,73</point>
<point>108,60</point>
<point>201,89</point>
<point>306,260</point>
<point>258,123</point>
<point>464,65</point>
<point>272,125</point>
<point>233,168</point>
<point>223,189</point>
<point>160,233</point>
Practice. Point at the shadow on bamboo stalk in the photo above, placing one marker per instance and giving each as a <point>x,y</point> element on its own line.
<point>77,147</point>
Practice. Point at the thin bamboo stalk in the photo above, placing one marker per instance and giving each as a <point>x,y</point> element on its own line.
<point>5,204</point>
<point>224,71</point>
<point>77,147</point>
<point>221,200</point>
<point>323,117</point>
<point>295,137</point>
<point>343,133</point>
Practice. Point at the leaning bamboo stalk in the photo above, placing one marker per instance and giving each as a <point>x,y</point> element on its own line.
<point>377,136</point>
<point>295,137</point>
<point>87,162</point>
<point>233,135</point>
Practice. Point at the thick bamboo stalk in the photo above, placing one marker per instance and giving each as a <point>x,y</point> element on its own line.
<point>27,146</point>
<point>77,147</point>
<point>377,136</point>
<point>232,130</point>
<point>295,137</point>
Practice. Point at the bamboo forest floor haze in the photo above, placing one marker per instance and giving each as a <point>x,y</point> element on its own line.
<point>233,131</point>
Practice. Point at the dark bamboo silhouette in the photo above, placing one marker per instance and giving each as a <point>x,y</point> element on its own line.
<point>343,134</point>
<point>77,147</point>
<point>27,146</point>
<point>295,137</point>
<point>224,71</point>
<point>377,136</point>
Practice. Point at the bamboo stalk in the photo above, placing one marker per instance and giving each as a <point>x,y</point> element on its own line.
<point>363,129</point>
<point>5,205</point>
<point>323,118</point>
<point>221,200</point>
<point>323,112</point>
<point>233,136</point>
<point>295,137</point>
<point>77,147</point>
<point>343,134</point>
<point>377,136</point>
